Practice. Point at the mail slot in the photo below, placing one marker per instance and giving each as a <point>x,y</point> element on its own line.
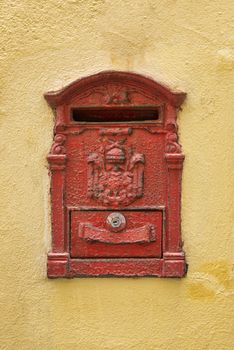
<point>115,167</point>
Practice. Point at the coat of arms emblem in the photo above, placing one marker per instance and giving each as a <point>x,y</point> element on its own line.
<point>115,174</point>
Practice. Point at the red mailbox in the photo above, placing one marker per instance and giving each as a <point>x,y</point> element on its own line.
<point>115,167</point>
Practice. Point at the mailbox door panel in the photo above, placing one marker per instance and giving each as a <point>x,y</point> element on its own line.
<point>104,168</point>
<point>97,233</point>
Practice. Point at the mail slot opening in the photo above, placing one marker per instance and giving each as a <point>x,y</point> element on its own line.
<point>97,115</point>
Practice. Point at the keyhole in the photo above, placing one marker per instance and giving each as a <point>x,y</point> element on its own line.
<point>116,222</point>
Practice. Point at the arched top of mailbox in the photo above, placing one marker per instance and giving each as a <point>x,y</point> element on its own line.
<point>113,88</point>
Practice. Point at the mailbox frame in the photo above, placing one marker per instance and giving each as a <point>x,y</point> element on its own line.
<point>115,91</point>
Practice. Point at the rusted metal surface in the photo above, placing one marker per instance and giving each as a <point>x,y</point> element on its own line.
<point>115,169</point>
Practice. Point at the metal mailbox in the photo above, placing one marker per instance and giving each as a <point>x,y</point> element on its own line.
<point>115,167</point>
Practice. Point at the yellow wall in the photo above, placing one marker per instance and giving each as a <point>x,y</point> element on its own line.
<point>186,44</point>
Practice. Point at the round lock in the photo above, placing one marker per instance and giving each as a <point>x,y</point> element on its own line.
<point>116,222</point>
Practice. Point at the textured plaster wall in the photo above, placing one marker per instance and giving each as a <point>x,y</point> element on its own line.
<point>183,43</point>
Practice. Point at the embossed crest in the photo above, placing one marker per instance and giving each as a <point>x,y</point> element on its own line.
<point>115,174</point>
